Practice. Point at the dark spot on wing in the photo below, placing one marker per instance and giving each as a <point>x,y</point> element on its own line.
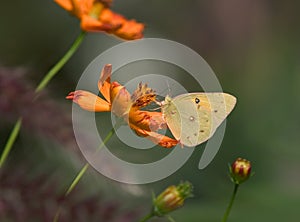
<point>197,100</point>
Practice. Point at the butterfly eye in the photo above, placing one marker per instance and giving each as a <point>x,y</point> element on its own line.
<point>197,100</point>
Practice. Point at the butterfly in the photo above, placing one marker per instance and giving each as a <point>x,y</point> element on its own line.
<point>194,117</point>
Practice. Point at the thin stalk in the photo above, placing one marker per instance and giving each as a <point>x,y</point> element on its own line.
<point>84,169</point>
<point>226,214</point>
<point>147,217</point>
<point>52,72</point>
<point>57,214</point>
<point>170,218</point>
<point>77,178</point>
<point>11,140</point>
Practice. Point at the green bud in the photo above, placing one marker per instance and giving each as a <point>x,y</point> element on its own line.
<point>171,198</point>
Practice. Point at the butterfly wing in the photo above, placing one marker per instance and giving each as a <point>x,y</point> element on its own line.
<point>171,116</point>
<point>198,115</point>
<point>182,119</point>
<point>213,110</point>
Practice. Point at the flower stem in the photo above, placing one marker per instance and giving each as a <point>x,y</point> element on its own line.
<point>226,214</point>
<point>86,166</point>
<point>84,169</point>
<point>12,138</point>
<point>77,178</point>
<point>170,218</point>
<point>57,214</point>
<point>52,72</point>
<point>147,217</point>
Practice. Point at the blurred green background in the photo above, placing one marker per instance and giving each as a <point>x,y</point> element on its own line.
<point>254,49</point>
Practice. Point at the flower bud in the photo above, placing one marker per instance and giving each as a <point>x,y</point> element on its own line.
<point>171,198</point>
<point>240,170</point>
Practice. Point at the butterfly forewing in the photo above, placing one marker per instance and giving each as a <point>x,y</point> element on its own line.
<point>189,121</point>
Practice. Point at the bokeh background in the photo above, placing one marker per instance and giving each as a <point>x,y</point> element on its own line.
<point>253,47</point>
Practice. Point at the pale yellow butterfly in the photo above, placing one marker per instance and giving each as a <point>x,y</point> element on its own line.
<point>194,117</point>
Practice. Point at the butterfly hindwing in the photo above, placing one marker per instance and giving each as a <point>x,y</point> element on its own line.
<point>188,119</point>
<point>171,116</point>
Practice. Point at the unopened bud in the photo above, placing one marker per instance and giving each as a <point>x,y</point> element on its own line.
<point>171,198</point>
<point>240,170</point>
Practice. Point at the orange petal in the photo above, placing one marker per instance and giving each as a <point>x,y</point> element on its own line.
<point>140,119</point>
<point>162,140</point>
<point>121,27</point>
<point>156,138</point>
<point>82,7</point>
<point>142,97</point>
<point>120,99</point>
<point>157,121</point>
<point>109,17</point>
<point>91,24</point>
<point>89,101</point>
<point>146,120</point>
<point>65,4</point>
<point>130,30</point>
<point>104,82</point>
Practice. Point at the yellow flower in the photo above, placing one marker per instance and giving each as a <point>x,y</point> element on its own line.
<point>95,16</point>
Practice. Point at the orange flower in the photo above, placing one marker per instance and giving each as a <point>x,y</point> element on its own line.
<point>145,123</point>
<point>95,16</point>
<point>119,101</point>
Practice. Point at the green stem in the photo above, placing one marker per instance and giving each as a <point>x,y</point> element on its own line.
<point>57,214</point>
<point>84,169</point>
<point>170,218</point>
<point>12,138</point>
<point>77,178</point>
<point>147,217</point>
<point>226,214</point>
<point>52,72</point>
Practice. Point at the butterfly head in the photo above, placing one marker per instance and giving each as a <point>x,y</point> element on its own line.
<point>165,102</point>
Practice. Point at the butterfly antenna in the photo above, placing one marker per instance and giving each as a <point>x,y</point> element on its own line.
<point>154,109</point>
<point>169,88</point>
